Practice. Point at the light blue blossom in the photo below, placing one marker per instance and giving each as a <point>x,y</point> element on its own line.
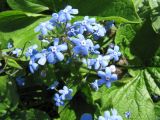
<point>127,114</point>
<point>82,46</point>
<point>43,73</point>
<point>63,15</point>
<point>106,77</point>
<point>86,116</point>
<point>16,52</point>
<point>108,116</point>
<point>32,51</point>
<point>94,85</point>
<point>9,45</point>
<point>114,53</point>
<point>41,57</point>
<point>58,100</point>
<point>54,85</point>
<point>33,66</point>
<point>94,48</point>
<point>86,25</point>
<point>20,81</point>
<point>44,27</point>
<point>66,93</point>
<point>99,63</point>
<point>99,31</point>
<point>109,25</point>
<point>54,52</point>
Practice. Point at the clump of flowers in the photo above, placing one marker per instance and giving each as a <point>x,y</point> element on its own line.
<point>113,115</point>
<point>65,41</point>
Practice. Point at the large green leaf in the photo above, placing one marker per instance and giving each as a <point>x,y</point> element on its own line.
<point>155,17</point>
<point>9,96</point>
<point>19,27</point>
<point>124,36</point>
<point>116,10</point>
<point>133,96</point>
<point>27,5</point>
<point>31,114</point>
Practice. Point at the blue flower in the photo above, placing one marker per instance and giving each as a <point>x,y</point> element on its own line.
<point>127,114</point>
<point>66,93</point>
<point>44,27</point>
<point>108,116</point>
<point>114,53</point>
<point>86,25</point>
<point>33,66</point>
<point>82,46</point>
<point>9,45</point>
<point>16,52</point>
<point>99,63</point>
<point>106,77</point>
<point>115,115</point>
<point>58,100</point>
<point>43,73</point>
<point>55,54</point>
<point>94,50</point>
<point>109,25</point>
<point>41,57</point>
<point>32,51</point>
<point>63,15</point>
<point>20,81</point>
<point>94,85</point>
<point>54,85</point>
<point>66,14</point>
<point>86,116</point>
<point>99,31</point>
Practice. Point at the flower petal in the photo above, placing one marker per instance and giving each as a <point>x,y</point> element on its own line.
<point>62,47</point>
<point>113,77</point>
<point>102,74</point>
<point>86,116</point>
<point>56,41</point>
<point>108,71</point>
<point>59,56</point>
<point>101,81</point>
<point>116,48</point>
<point>42,60</point>
<point>108,84</point>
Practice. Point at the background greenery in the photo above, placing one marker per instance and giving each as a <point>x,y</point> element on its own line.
<point>138,36</point>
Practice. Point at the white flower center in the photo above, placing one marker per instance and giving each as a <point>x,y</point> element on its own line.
<point>115,53</point>
<point>54,49</point>
<point>83,42</point>
<point>65,11</point>
<point>84,22</point>
<point>72,30</point>
<point>107,78</point>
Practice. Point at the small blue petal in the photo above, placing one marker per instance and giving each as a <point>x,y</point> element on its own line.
<point>86,116</point>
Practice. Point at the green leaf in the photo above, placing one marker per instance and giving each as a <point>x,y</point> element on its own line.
<point>3,84</point>
<point>124,36</point>
<point>144,52</point>
<point>133,96</point>
<point>19,27</point>
<point>26,5</point>
<point>13,63</point>
<point>155,17</point>
<point>121,11</point>
<point>30,114</point>
<point>68,114</point>
<point>157,107</point>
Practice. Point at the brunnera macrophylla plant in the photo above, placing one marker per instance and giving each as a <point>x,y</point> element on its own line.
<point>70,42</point>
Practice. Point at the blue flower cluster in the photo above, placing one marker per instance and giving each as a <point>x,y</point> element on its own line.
<point>77,40</point>
<point>15,51</point>
<point>107,116</point>
<point>62,95</point>
<point>101,64</point>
